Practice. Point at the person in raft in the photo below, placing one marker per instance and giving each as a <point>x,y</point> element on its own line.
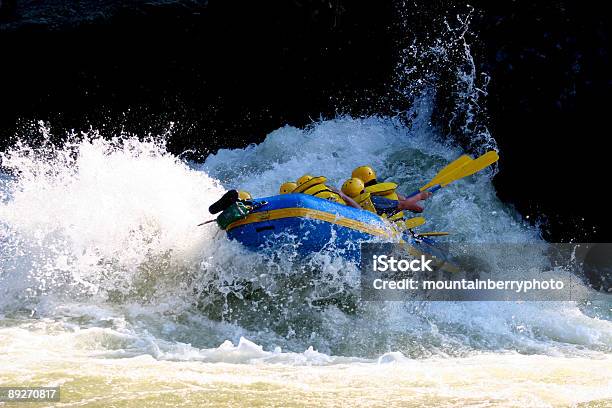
<point>381,198</point>
<point>316,186</point>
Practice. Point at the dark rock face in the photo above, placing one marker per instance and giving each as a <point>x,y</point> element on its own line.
<point>549,93</point>
<point>7,9</point>
<point>227,72</point>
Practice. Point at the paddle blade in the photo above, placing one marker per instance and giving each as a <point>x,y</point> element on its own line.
<point>432,234</point>
<point>470,168</point>
<point>460,162</point>
<point>414,222</point>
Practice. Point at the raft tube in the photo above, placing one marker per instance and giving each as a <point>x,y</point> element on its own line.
<point>311,224</point>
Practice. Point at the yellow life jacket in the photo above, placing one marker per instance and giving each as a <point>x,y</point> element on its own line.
<point>317,188</point>
<point>364,202</point>
<point>312,182</point>
<point>331,196</point>
<point>386,190</point>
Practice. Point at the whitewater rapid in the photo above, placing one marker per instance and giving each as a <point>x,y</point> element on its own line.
<point>105,279</point>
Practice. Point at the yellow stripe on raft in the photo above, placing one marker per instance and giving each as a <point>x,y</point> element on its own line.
<point>313,214</point>
<point>334,219</point>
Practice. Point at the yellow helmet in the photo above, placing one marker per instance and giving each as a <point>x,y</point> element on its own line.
<point>287,187</point>
<point>353,187</point>
<point>244,196</point>
<point>304,179</point>
<point>364,173</point>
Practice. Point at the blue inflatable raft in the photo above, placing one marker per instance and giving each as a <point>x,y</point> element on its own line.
<point>312,224</point>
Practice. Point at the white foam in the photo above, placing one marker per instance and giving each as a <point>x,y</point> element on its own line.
<point>101,234</point>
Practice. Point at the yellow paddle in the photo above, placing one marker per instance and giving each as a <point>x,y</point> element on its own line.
<point>432,234</point>
<point>461,161</point>
<point>414,222</point>
<point>468,168</point>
